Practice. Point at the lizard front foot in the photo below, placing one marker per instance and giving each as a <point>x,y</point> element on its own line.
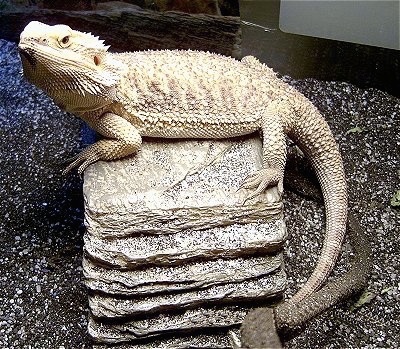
<point>83,159</point>
<point>261,180</point>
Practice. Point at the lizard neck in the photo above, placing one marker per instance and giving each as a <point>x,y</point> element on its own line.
<point>78,89</point>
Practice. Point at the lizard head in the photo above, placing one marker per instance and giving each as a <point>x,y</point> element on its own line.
<point>72,67</point>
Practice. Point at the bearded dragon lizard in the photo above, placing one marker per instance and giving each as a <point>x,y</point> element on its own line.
<point>187,94</point>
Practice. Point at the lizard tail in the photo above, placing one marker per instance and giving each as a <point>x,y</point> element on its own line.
<point>312,134</point>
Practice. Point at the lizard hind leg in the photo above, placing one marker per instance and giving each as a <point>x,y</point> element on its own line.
<point>273,155</point>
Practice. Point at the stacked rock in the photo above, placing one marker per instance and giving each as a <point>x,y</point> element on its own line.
<point>174,255</point>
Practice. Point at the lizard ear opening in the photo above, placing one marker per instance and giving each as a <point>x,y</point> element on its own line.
<point>96,60</point>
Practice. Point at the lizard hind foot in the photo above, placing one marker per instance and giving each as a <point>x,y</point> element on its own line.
<point>259,181</point>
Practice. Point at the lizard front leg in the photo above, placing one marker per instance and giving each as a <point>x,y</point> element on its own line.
<point>274,154</point>
<point>122,139</point>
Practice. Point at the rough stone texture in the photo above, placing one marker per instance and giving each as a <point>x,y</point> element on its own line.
<point>143,305</point>
<point>172,246</point>
<point>168,174</point>
<point>191,275</point>
<point>168,323</point>
<point>202,341</point>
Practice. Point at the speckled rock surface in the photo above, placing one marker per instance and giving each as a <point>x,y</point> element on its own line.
<point>212,340</point>
<point>171,248</point>
<point>43,303</point>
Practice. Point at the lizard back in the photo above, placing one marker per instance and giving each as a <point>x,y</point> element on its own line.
<point>162,91</point>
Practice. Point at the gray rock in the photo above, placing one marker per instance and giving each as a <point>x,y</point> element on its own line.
<point>173,323</point>
<point>173,247</point>
<point>201,341</point>
<point>261,288</point>
<point>191,275</point>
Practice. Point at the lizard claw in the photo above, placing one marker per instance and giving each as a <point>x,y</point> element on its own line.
<point>82,160</point>
<point>70,159</point>
<point>261,180</point>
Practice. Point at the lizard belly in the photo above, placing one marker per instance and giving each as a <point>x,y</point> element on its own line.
<point>195,129</point>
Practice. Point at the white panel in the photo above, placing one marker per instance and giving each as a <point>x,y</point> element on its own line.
<point>366,22</point>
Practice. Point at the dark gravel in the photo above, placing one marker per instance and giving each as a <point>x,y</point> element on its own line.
<point>43,300</point>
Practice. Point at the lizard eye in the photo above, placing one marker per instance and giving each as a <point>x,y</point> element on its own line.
<point>96,60</point>
<point>64,41</point>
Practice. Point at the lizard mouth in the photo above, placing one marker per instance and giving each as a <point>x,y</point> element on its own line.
<point>28,56</point>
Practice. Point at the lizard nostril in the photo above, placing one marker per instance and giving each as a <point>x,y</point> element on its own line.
<point>28,57</point>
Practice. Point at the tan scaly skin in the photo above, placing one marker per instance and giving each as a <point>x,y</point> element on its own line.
<point>187,94</point>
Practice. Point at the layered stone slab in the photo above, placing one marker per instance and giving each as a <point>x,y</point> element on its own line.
<point>111,307</point>
<point>185,277</point>
<point>173,250</point>
<point>218,340</point>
